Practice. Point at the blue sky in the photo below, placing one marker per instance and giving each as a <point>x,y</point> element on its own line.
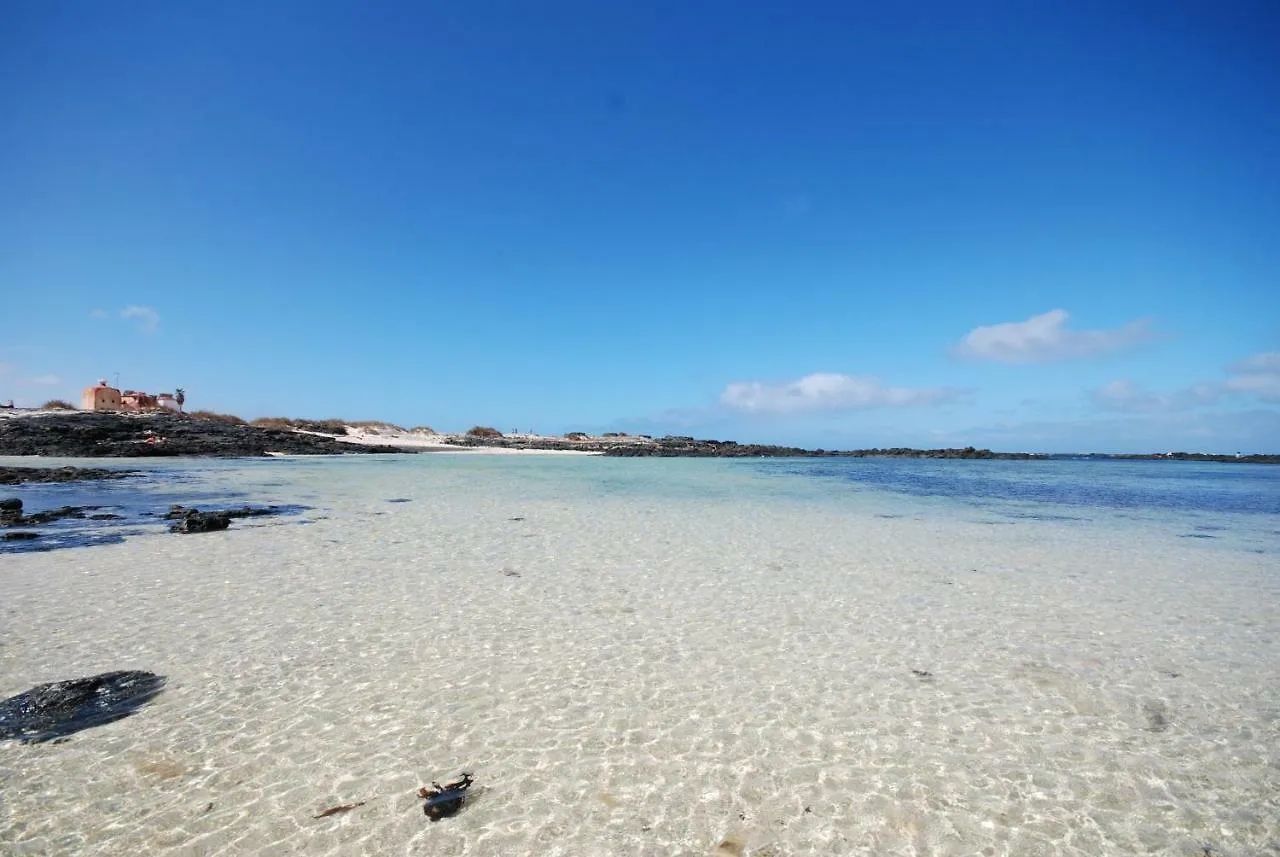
<point>1023,225</point>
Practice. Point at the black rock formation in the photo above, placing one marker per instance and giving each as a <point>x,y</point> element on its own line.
<point>18,475</point>
<point>109,435</point>
<point>11,514</point>
<point>63,707</point>
<point>19,536</point>
<point>194,521</point>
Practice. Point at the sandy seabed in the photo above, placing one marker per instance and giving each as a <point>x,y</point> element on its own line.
<point>632,671</point>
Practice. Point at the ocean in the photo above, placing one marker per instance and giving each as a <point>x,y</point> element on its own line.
<point>660,657</point>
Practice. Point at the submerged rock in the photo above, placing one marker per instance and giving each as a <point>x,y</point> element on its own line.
<point>201,522</point>
<point>194,521</point>
<point>63,707</point>
<point>11,514</point>
<point>19,536</point>
<point>18,475</point>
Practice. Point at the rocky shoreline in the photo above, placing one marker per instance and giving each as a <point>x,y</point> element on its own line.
<point>106,435</point>
<point>688,447</point>
<point>19,475</point>
<point>115,435</point>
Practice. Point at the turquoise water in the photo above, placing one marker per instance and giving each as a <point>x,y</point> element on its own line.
<point>1238,504</point>
<point>1234,504</point>
<point>1088,485</point>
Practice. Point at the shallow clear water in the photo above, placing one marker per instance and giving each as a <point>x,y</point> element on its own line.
<point>1238,502</point>
<point>652,657</point>
<point>1092,486</point>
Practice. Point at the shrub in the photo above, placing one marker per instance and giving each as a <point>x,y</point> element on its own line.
<point>576,435</point>
<point>272,422</point>
<point>376,424</point>
<point>423,430</point>
<point>58,405</point>
<point>332,426</point>
<point>216,417</point>
<point>483,431</point>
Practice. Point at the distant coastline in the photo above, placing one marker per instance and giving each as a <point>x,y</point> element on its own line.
<point>83,434</point>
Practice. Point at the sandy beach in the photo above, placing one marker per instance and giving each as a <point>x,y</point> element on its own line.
<point>682,662</point>
<point>445,442</point>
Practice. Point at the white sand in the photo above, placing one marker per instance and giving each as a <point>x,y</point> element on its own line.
<point>436,442</point>
<point>659,656</point>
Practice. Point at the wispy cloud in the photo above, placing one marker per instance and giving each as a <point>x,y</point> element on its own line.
<point>1255,377</point>
<point>825,391</point>
<point>1255,430</point>
<point>1128,397</point>
<point>147,318</point>
<point>1043,338</point>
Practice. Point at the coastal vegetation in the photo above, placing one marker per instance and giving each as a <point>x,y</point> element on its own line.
<point>58,405</point>
<point>214,416</point>
<point>329,426</point>
<point>483,432</point>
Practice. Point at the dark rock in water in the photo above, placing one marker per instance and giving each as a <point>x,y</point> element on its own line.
<point>250,512</point>
<point>399,500</point>
<point>106,516</point>
<point>195,521</point>
<point>177,512</point>
<point>445,800</point>
<point>11,514</point>
<point>52,515</point>
<point>63,707</point>
<point>17,475</point>
<point>1156,714</point>
<point>19,536</point>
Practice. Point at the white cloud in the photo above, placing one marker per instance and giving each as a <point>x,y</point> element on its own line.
<point>1267,361</point>
<point>1046,337</point>
<point>148,319</point>
<point>1129,397</point>
<point>1258,375</point>
<point>1260,385</point>
<point>1256,430</point>
<point>825,391</point>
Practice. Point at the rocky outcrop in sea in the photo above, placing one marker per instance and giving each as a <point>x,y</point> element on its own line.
<point>688,447</point>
